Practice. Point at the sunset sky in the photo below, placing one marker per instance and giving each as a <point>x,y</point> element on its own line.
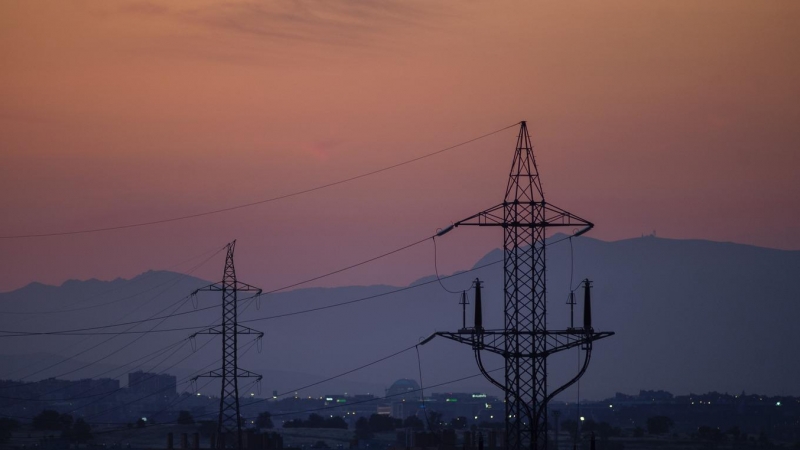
<point>681,117</point>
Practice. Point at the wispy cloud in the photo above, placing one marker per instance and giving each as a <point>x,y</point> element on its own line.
<point>338,22</point>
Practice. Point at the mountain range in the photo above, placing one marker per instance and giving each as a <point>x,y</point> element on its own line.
<point>689,316</point>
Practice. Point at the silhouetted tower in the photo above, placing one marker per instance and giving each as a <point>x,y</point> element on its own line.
<point>525,342</point>
<point>229,417</point>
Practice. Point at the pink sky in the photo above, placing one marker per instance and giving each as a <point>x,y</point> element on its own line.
<point>675,116</point>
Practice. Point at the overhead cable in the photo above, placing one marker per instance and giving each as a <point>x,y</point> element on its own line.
<point>259,202</point>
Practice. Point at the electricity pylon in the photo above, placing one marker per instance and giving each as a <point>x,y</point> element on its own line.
<point>229,417</point>
<point>525,342</point>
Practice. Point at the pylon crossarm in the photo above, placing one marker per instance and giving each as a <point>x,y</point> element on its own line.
<point>246,287</point>
<point>210,287</point>
<point>494,341</point>
<point>488,217</point>
<point>212,330</point>
<point>557,217</point>
<point>216,373</point>
<point>564,340</point>
<point>243,373</point>
<point>553,217</point>
<point>241,329</point>
<point>216,287</point>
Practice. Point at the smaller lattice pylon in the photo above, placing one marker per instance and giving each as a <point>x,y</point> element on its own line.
<point>229,414</point>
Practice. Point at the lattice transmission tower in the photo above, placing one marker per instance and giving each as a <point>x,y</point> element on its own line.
<point>525,342</point>
<point>229,426</point>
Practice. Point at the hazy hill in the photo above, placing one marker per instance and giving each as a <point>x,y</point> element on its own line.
<point>689,315</point>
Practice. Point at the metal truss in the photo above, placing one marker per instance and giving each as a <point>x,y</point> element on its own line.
<point>229,329</point>
<point>525,342</point>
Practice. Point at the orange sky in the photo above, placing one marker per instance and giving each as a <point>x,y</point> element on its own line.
<point>675,116</point>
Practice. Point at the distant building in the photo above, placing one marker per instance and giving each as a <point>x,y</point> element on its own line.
<point>159,386</point>
<point>401,389</point>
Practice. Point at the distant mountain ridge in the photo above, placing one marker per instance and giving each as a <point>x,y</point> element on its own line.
<point>689,316</point>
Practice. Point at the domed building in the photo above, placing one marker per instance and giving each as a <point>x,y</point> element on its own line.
<point>403,388</point>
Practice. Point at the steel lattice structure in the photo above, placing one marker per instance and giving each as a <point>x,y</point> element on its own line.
<point>525,342</point>
<point>229,417</point>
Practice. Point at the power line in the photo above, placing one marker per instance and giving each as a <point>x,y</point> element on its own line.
<point>348,267</point>
<point>181,301</point>
<point>259,202</point>
<point>288,392</point>
<point>369,297</point>
<point>320,308</point>
<point>436,269</point>
<point>294,390</point>
<point>79,332</point>
<point>96,360</point>
<point>148,357</point>
<point>76,332</point>
<point>191,270</point>
<point>385,397</point>
<point>349,371</point>
<point>150,377</point>
<point>182,342</point>
<point>421,388</point>
<point>130,328</point>
<point>183,380</point>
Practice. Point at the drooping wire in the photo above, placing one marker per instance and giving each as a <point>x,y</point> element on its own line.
<point>183,380</point>
<point>108,394</point>
<point>180,304</point>
<point>259,319</point>
<point>310,310</point>
<point>339,375</point>
<point>385,397</point>
<point>148,357</point>
<point>92,362</point>
<point>578,381</point>
<point>78,331</point>
<point>191,270</point>
<point>571,265</point>
<point>436,269</point>
<point>422,388</point>
<point>376,399</point>
<point>578,401</point>
<point>347,372</point>
<point>180,301</point>
<point>259,202</point>
<point>272,291</point>
<point>149,377</point>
